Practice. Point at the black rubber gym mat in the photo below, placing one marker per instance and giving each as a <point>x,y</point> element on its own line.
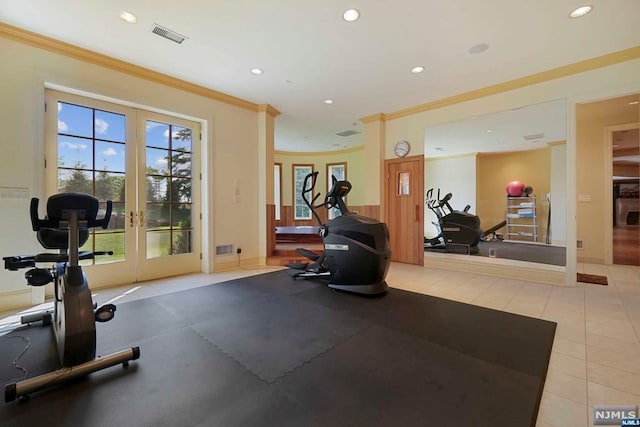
<point>267,350</point>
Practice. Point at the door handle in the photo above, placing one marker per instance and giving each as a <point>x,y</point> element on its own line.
<point>142,219</point>
<point>131,219</point>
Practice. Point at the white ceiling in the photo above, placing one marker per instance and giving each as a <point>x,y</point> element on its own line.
<point>309,53</point>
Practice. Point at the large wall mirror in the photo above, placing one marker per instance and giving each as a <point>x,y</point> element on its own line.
<point>477,158</point>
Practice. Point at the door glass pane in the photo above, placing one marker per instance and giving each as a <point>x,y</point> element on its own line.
<point>169,208</point>
<point>181,216</point>
<point>110,126</point>
<point>181,190</point>
<point>156,188</point>
<point>180,163</point>
<point>158,161</point>
<point>110,186</point>
<point>157,134</point>
<point>157,216</point>
<point>75,180</point>
<point>74,152</point>
<point>403,183</point>
<point>110,156</point>
<point>119,218</point>
<point>181,242</point>
<point>181,139</point>
<point>75,120</point>
<point>158,243</point>
<point>110,242</point>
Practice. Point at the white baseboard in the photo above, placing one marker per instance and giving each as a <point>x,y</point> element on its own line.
<point>234,265</point>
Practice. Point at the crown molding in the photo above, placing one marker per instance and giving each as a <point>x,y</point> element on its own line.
<point>75,52</point>
<point>319,153</point>
<point>262,108</point>
<point>545,76</point>
<point>378,117</point>
<point>453,156</point>
<point>556,143</point>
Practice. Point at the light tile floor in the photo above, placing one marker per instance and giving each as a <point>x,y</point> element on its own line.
<point>596,352</point>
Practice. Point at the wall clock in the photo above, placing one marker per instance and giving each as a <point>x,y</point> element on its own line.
<point>401,148</point>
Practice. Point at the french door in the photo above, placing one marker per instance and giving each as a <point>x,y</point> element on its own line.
<point>147,164</point>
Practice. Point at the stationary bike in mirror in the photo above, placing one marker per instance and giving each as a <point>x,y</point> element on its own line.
<point>66,228</point>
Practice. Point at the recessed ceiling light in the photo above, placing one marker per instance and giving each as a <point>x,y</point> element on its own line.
<point>328,101</point>
<point>351,15</point>
<point>128,17</point>
<point>489,131</point>
<point>634,103</point>
<point>478,48</point>
<point>581,11</point>
<point>417,70</point>
<point>256,71</point>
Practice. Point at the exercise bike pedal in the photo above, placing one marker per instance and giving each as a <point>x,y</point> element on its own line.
<point>105,313</point>
<point>38,277</point>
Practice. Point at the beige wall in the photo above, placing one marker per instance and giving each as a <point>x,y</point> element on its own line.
<point>591,120</point>
<point>496,170</point>
<point>356,173</point>
<point>231,144</point>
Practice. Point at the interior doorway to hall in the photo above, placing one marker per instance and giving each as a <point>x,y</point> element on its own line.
<point>626,196</point>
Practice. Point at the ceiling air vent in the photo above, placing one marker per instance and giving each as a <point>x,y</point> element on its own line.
<point>347,133</point>
<point>533,137</point>
<point>168,34</point>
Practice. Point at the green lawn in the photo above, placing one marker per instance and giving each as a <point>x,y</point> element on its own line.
<point>158,244</point>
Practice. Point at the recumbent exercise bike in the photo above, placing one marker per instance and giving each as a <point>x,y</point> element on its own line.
<point>66,228</point>
<point>356,254</point>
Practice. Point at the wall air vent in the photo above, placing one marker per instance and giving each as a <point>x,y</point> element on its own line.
<point>533,137</point>
<point>168,34</point>
<point>580,244</point>
<point>347,133</point>
<point>224,250</point>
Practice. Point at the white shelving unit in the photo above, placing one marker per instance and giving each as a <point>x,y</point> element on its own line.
<point>522,218</point>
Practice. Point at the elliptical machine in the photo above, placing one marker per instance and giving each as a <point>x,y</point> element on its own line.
<point>66,228</point>
<point>356,248</point>
<point>456,228</point>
